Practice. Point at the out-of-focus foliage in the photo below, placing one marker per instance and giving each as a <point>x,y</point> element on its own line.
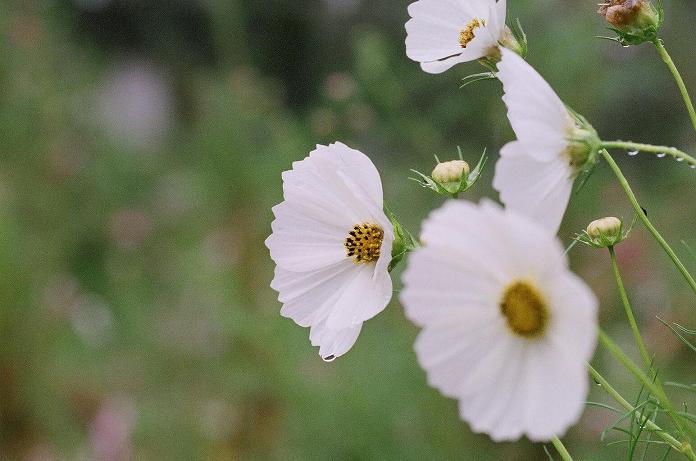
<point>142,145</point>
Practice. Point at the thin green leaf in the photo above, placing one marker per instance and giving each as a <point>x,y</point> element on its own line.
<point>603,405</point>
<point>690,416</point>
<point>655,442</point>
<point>546,450</point>
<point>685,330</point>
<point>689,249</point>
<point>571,246</point>
<point>469,79</point>
<point>688,387</point>
<point>669,450</point>
<point>678,335</point>
<point>647,445</point>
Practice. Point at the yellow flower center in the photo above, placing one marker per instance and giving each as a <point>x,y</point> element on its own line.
<point>525,310</point>
<point>364,243</point>
<point>467,35</point>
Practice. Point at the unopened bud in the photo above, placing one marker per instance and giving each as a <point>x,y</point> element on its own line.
<point>583,146</point>
<point>609,228</point>
<point>453,177</point>
<point>631,16</point>
<point>451,172</point>
<point>511,42</point>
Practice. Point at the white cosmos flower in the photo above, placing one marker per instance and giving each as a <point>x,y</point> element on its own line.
<point>507,328</point>
<point>535,173</point>
<point>442,33</point>
<point>332,246</point>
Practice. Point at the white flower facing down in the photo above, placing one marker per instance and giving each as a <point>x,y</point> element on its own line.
<point>332,245</point>
<point>535,173</point>
<point>442,33</point>
<point>507,328</point>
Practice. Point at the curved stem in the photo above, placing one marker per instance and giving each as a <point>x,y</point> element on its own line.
<point>684,448</point>
<point>641,214</point>
<point>561,449</point>
<point>629,311</point>
<point>639,147</point>
<point>677,78</point>
<point>644,379</point>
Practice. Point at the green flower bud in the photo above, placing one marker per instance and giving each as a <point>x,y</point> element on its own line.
<point>514,42</point>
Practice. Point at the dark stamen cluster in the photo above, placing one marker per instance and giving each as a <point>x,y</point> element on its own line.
<point>364,243</point>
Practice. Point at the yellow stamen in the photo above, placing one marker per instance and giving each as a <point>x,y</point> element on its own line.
<point>364,243</point>
<point>525,310</point>
<point>467,35</point>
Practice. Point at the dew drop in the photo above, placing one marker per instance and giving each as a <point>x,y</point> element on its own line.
<point>693,167</point>
<point>329,358</point>
<point>661,155</point>
<point>680,159</point>
<point>633,153</point>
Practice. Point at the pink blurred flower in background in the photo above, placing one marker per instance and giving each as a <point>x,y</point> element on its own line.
<point>110,431</point>
<point>135,106</point>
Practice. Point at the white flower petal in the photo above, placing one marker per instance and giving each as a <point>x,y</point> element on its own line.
<point>356,170</point>
<point>364,296</point>
<point>308,297</point>
<point>497,18</point>
<point>539,190</point>
<point>333,343</point>
<point>485,406</point>
<point>574,316</point>
<point>499,412</point>
<point>556,392</point>
<point>431,40</point>
<point>538,116</point>
<point>305,251</point>
<point>442,349</point>
<point>437,302</point>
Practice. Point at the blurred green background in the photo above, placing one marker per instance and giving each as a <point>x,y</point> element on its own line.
<point>142,144</point>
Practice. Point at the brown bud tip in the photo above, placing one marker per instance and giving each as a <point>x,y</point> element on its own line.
<point>628,13</point>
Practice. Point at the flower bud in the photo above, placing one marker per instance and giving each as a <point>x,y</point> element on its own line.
<point>606,226</point>
<point>451,172</point>
<point>639,20</point>
<point>606,231</point>
<point>512,42</point>
<point>453,177</point>
<point>583,144</point>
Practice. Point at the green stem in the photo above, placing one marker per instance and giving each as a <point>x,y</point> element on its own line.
<point>643,217</point>
<point>644,379</point>
<point>629,311</point>
<point>659,150</point>
<point>561,449</point>
<point>634,325</point>
<point>677,78</point>
<point>684,448</point>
